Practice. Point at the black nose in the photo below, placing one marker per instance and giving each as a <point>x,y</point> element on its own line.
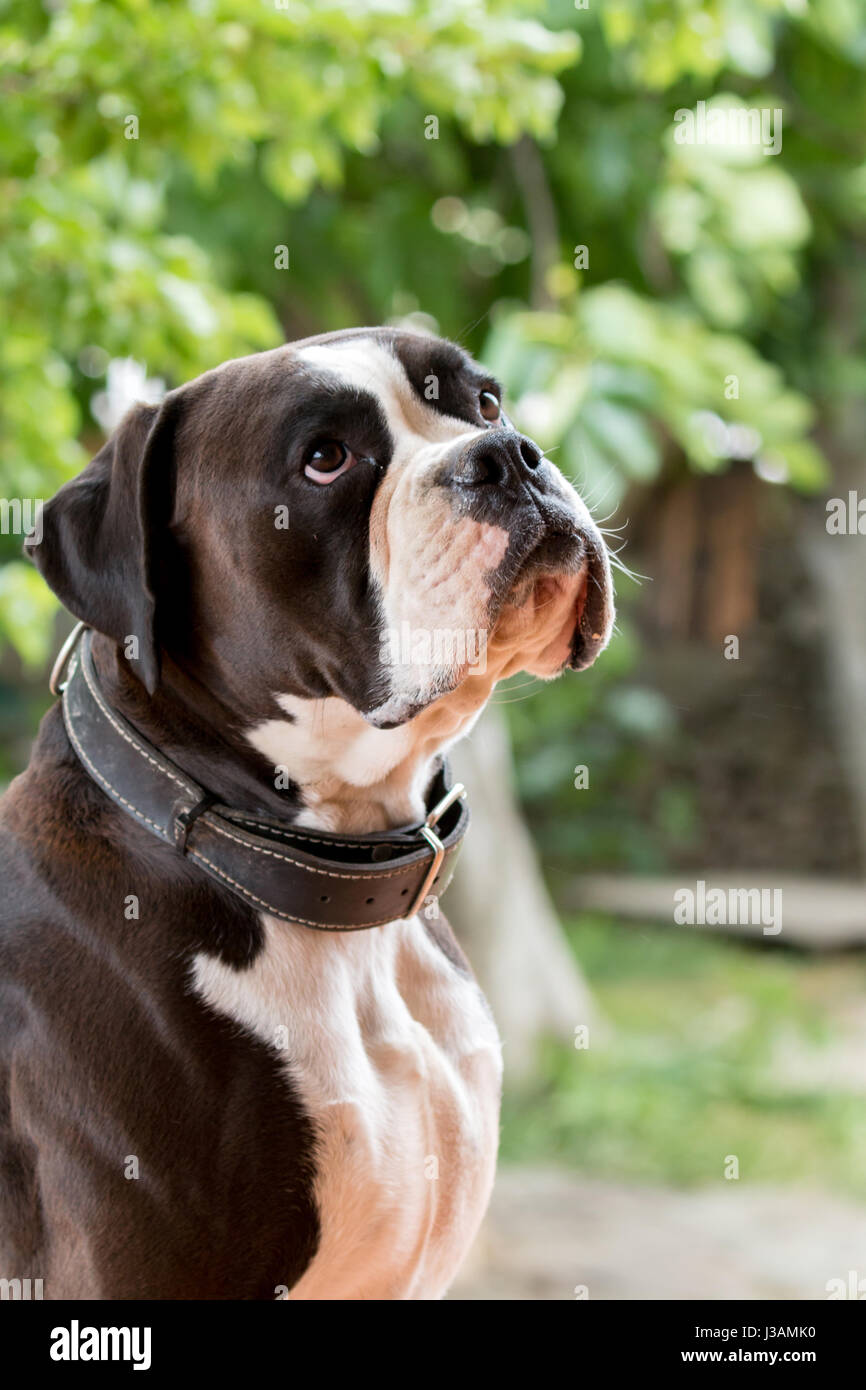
<point>499,459</point>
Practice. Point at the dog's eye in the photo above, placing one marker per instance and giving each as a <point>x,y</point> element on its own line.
<point>327,459</point>
<point>489,405</point>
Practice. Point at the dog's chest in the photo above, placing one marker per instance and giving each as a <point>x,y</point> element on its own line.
<point>393,1053</point>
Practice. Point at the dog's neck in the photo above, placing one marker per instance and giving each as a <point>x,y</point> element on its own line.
<point>320,763</point>
<point>355,778</point>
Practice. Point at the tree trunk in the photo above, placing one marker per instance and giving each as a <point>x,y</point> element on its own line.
<point>837,564</point>
<point>501,911</point>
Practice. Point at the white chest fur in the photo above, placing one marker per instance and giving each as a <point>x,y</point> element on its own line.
<point>397,1061</point>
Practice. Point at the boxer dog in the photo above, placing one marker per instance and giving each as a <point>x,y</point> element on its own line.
<point>241,1054</point>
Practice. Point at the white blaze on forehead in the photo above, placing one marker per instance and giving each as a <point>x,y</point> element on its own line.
<point>368,366</point>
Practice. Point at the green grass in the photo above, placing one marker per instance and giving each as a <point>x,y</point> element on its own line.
<point>687,1075</point>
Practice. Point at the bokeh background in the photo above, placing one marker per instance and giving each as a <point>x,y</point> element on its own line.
<point>681,326</point>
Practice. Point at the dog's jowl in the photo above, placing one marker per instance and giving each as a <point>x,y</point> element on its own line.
<point>240,1049</point>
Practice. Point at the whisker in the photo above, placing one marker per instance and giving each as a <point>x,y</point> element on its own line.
<point>636,577</point>
<point>517,701</point>
<point>506,690</point>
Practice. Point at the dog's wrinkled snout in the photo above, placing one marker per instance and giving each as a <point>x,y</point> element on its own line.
<point>500,459</point>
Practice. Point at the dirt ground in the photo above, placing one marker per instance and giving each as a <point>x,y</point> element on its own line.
<point>550,1231</point>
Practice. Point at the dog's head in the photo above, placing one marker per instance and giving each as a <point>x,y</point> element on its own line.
<point>351,515</point>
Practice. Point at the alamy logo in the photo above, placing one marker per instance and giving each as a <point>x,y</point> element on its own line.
<point>76,1343</point>
<point>846,517</point>
<point>20,1290</point>
<point>852,1287</point>
<point>439,648</point>
<point>721,907</point>
<point>21,516</point>
<point>730,125</point>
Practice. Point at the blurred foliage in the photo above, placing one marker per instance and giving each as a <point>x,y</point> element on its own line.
<point>588,768</point>
<point>717,1049</point>
<point>304,124</point>
<point>280,93</point>
<point>600,380</point>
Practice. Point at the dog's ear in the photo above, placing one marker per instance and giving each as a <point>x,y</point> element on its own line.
<point>103,536</point>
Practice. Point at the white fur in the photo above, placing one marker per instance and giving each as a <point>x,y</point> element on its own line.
<point>391,1049</point>
<point>369,366</point>
<point>396,1060</point>
<point>333,754</point>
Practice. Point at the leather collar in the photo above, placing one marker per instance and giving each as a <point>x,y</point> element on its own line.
<point>318,879</point>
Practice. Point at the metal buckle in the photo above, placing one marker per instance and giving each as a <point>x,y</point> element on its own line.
<point>54,683</point>
<point>457,793</point>
<point>185,820</point>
